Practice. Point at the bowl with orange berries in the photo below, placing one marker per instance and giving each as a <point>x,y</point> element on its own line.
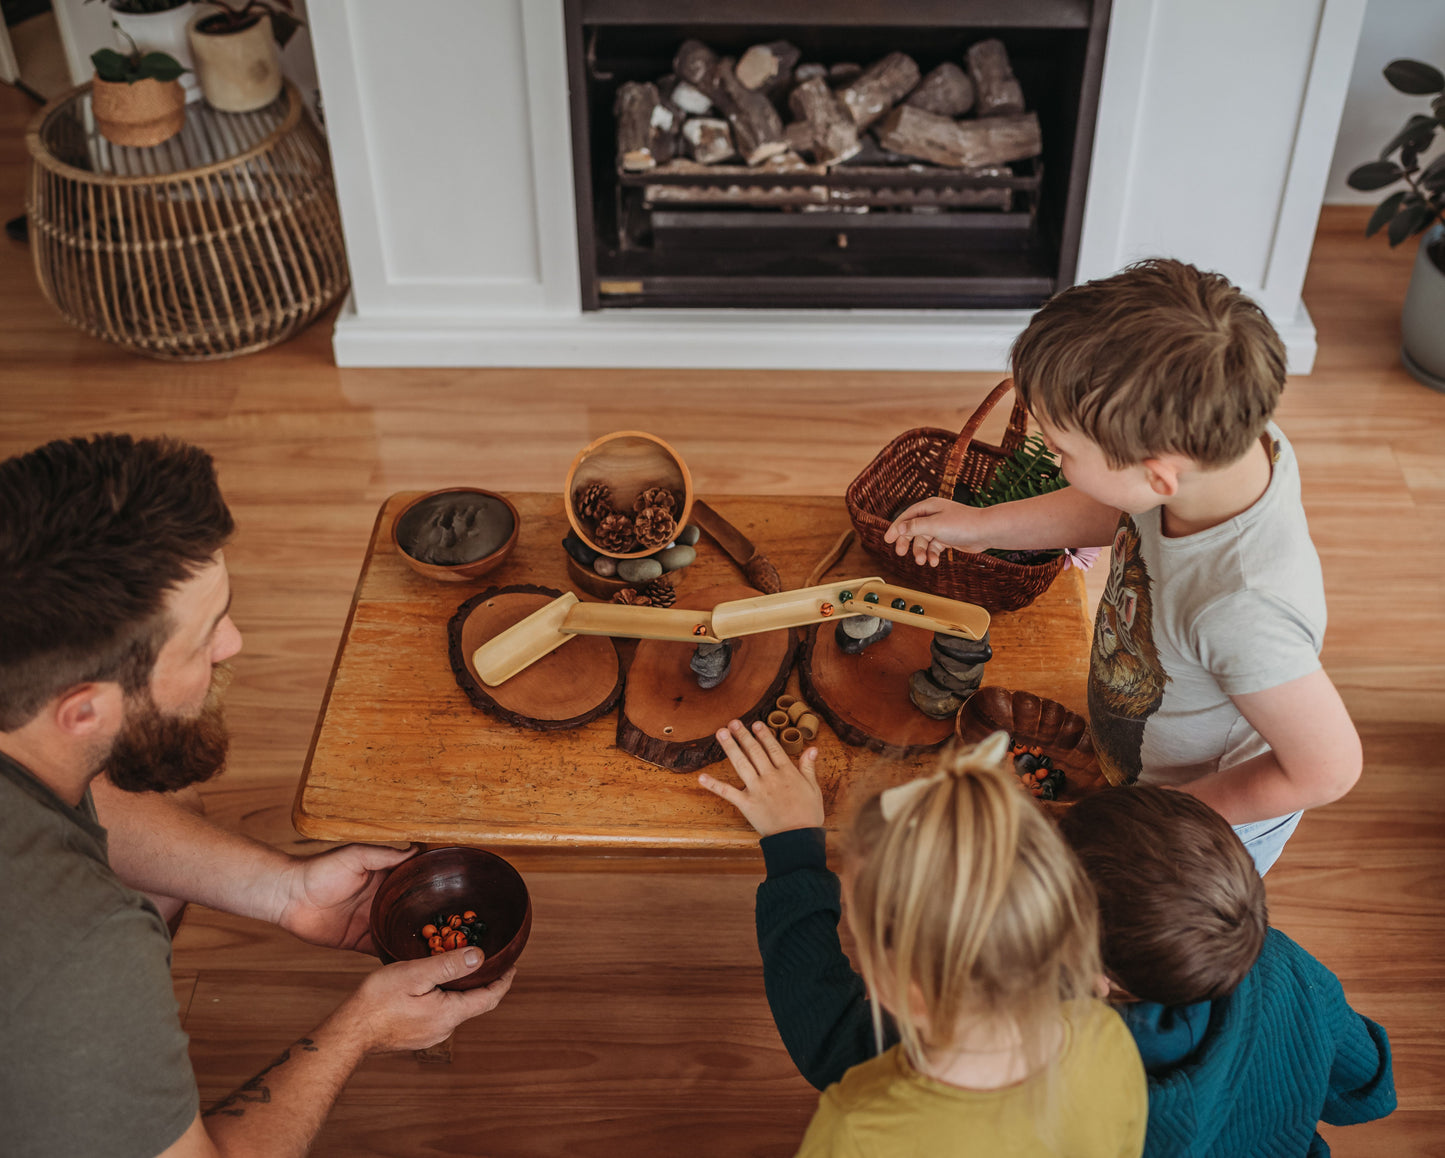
<point>449,898</point>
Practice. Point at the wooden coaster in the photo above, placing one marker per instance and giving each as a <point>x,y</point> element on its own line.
<point>864,697</point>
<point>566,688</point>
<point>666,719</point>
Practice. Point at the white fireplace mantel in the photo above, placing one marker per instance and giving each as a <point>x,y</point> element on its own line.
<point>1215,130</point>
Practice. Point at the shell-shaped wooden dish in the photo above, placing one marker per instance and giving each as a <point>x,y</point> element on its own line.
<point>627,461</point>
<point>1036,721</point>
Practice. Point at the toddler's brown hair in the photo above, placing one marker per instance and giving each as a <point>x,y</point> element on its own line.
<point>1162,358</point>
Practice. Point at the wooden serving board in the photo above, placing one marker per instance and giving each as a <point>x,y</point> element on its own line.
<point>565,689</point>
<point>864,697</point>
<point>666,719</point>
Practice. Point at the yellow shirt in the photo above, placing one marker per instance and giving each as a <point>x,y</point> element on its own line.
<point>885,1108</point>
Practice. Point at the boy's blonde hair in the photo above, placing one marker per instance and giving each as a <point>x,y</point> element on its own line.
<point>969,896</point>
<point>1160,359</point>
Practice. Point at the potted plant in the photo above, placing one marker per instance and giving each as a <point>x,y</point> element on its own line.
<point>157,26</point>
<point>137,97</point>
<point>1418,208</point>
<point>237,49</point>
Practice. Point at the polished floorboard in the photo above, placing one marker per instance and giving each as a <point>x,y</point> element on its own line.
<point>637,1024</point>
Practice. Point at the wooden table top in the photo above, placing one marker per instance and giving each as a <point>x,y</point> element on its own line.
<point>399,752</point>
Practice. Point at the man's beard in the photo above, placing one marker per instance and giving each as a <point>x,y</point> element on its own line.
<point>154,752</point>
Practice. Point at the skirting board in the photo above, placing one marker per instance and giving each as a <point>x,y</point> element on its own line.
<point>713,339</point>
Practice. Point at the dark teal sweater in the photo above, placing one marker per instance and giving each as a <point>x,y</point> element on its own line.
<point>1250,1074</point>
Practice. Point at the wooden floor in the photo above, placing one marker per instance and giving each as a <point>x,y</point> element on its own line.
<point>637,1024</point>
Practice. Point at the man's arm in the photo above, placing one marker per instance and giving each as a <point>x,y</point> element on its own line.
<point>1314,757</point>
<point>278,1113</point>
<point>159,847</point>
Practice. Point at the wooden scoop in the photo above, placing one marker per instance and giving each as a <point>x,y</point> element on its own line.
<point>547,629</point>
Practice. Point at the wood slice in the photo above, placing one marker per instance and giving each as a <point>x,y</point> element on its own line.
<point>864,697</point>
<point>666,719</point>
<point>566,688</point>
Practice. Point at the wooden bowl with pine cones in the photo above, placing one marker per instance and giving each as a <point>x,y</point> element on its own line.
<point>628,493</point>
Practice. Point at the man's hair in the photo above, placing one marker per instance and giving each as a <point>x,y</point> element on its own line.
<point>1160,359</point>
<point>93,534</point>
<point>1181,906</point>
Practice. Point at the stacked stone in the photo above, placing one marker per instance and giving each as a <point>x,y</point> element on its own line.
<point>857,632</point>
<point>939,690</point>
<point>710,663</point>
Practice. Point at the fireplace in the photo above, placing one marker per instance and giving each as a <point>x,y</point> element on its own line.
<point>890,224</point>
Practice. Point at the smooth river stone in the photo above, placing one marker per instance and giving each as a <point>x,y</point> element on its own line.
<point>638,570</point>
<point>687,537</point>
<point>605,565</point>
<point>675,558</point>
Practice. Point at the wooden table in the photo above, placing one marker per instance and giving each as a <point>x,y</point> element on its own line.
<point>399,752</point>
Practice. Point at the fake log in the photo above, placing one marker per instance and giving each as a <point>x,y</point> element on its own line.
<point>961,144</point>
<point>880,87</point>
<point>800,137</point>
<point>709,139</point>
<point>944,92</point>
<point>833,133</point>
<point>768,67</point>
<point>689,98</point>
<point>997,92</point>
<point>694,63</point>
<point>645,127</point>
<point>809,71</point>
<point>757,128</point>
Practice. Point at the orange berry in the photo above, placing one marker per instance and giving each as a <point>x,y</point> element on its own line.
<point>454,920</point>
<point>469,915</point>
<point>428,931</point>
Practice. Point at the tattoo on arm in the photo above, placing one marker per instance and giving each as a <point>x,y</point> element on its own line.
<point>256,1090</point>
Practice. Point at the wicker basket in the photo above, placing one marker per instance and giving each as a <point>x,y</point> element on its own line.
<point>929,461</point>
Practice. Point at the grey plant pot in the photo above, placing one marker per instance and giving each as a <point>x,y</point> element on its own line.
<point>1422,346</point>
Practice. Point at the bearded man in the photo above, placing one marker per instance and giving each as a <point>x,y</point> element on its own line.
<point>114,626</point>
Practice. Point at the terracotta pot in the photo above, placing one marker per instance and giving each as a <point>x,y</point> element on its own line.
<point>239,71</point>
<point>1422,324</point>
<point>161,32</point>
<point>143,113</point>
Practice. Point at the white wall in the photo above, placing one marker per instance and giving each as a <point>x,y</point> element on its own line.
<point>1374,111</point>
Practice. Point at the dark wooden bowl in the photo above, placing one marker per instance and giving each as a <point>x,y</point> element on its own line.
<point>454,572</point>
<point>1034,720</point>
<point>451,880</point>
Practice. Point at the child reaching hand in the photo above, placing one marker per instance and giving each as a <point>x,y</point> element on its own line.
<point>976,933</point>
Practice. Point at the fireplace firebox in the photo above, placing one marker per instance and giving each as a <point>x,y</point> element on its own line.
<point>812,204</point>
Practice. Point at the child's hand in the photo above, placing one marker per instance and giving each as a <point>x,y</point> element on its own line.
<point>927,528</point>
<point>776,796</point>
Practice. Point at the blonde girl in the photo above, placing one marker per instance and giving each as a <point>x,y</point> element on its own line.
<point>976,930</point>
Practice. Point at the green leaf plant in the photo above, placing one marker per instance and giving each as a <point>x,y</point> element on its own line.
<point>129,67</point>
<point>1412,210</point>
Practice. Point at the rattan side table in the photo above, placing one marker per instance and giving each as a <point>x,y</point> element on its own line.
<point>223,240</point>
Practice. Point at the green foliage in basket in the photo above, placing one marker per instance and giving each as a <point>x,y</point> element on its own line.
<point>1032,470</point>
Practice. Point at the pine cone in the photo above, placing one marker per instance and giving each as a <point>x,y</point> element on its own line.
<point>631,598</point>
<point>593,501</point>
<point>615,534</point>
<point>654,527</point>
<point>655,497</point>
<point>659,593</point>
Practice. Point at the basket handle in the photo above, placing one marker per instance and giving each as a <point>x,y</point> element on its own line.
<point>1018,425</point>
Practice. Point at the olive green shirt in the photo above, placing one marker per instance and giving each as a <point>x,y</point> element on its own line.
<point>93,1059</point>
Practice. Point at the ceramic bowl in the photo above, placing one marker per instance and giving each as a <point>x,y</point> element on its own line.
<point>1036,721</point>
<point>503,523</point>
<point>452,880</point>
<point>627,461</point>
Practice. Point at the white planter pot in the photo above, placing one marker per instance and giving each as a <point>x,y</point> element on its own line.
<point>1422,323</point>
<point>161,32</point>
<point>239,71</point>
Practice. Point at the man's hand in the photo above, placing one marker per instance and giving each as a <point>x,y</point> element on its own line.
<point>326,899</point>
<point>926,529</point>
<point>400,1007</point>
<point>776,795</point>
